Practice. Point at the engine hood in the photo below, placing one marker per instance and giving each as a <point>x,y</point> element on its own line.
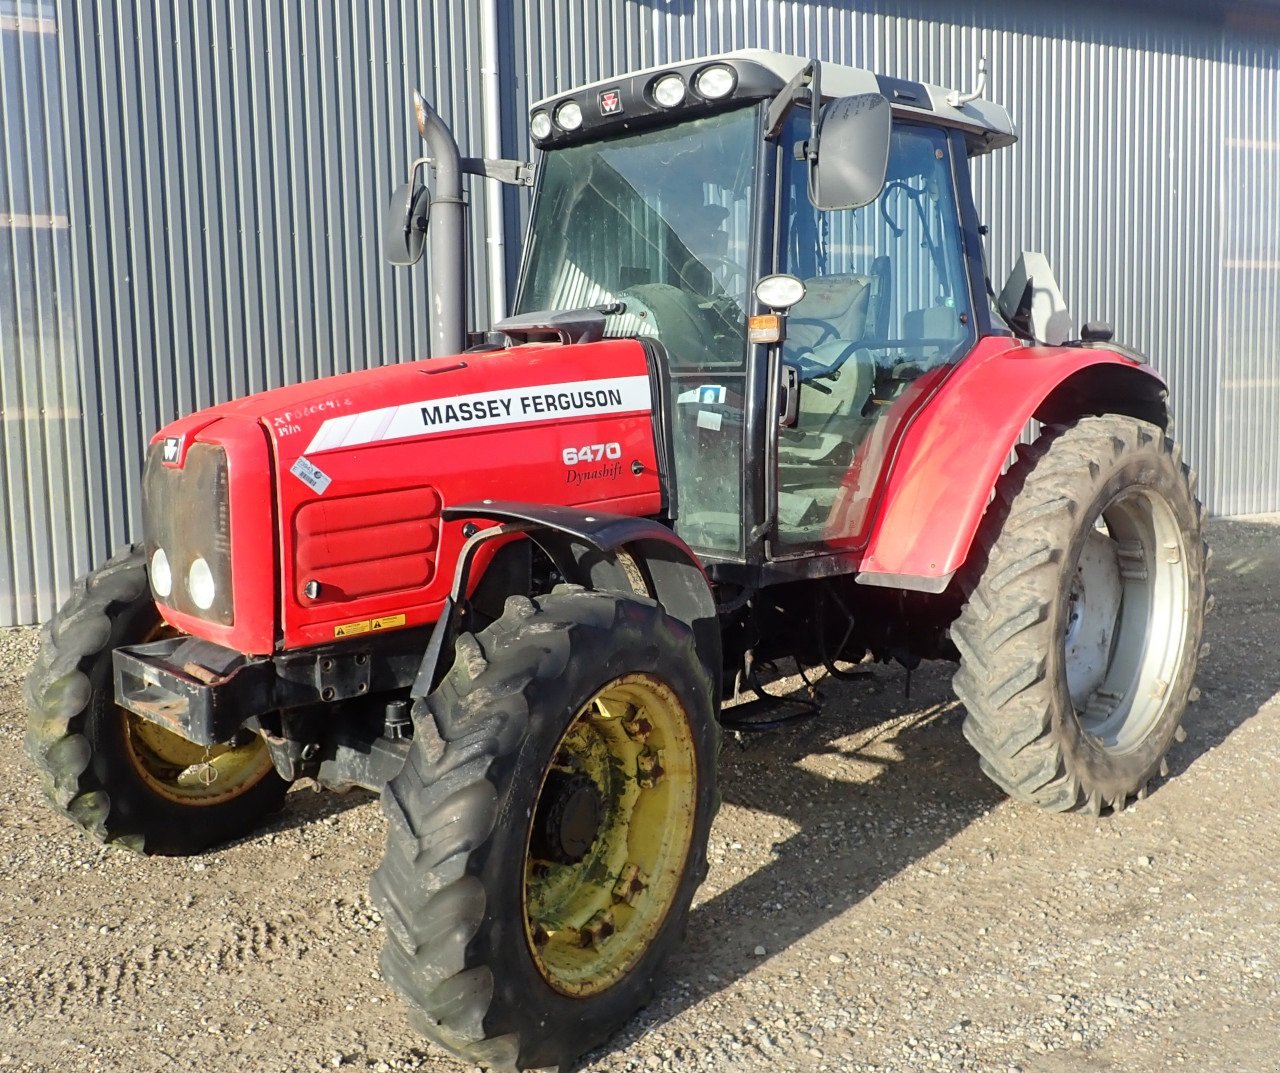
<point>294,416</point>
<point>350,476</point>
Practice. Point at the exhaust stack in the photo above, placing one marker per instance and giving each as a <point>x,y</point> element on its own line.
<point>448,232</point>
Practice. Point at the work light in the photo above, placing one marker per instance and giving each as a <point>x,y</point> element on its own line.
<point>715,82</point>
<point>669,90</point>
<point>569,115</point>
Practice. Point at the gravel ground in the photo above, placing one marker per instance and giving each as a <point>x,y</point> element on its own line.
<point>873,904</point>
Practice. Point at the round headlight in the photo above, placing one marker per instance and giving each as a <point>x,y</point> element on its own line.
<point>715,82</point>
<point>779,292</point>
<point>668,91</point>
<point>569,115</point>
<point>200,585</point>
<point>161,575</point>
<point>540,125</point>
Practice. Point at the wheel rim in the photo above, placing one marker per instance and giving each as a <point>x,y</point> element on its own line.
<point>1126,620</point>
<point>184,772</point>
<point>610,836</point>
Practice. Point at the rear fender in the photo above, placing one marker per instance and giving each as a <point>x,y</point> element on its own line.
<point>955,449</point>
<point>602,552</point>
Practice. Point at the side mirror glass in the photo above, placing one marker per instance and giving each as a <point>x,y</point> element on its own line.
<point>847,166</point>
<point>405,231</point>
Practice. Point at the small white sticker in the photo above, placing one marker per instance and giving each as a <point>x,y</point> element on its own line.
<point>707,419</point>
<point>310,475</point>
<point>706,395</point>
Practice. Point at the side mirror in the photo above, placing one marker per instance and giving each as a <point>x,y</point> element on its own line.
<point>405,231</point>
<point>847,165</point>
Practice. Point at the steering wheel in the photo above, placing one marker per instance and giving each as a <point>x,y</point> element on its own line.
<point>813,367</point>
<point>731,269</point>
<point>825,326</point>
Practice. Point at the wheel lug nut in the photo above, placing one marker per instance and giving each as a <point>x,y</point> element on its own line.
<point>597,929</point>
<point>631,881</point>
<point>649,769</point>
<point>638,728</point>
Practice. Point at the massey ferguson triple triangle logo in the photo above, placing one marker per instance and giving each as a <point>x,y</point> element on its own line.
<point>610,101</point>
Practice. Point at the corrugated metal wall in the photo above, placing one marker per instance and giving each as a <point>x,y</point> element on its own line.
<point>207,183</point>
<point>42,480</point>
<point>1245,461</point>
<point>191,200</point>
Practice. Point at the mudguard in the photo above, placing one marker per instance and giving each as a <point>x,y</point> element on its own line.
<point>955,448</point>
<point>598,550</point>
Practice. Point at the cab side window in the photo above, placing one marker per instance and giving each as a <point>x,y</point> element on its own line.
<point>886,300</point>
<point>890,276</point>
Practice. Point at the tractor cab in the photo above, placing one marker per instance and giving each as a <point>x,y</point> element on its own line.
<point>797,246</point>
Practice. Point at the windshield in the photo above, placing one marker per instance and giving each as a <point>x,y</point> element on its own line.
<point>661,221</point>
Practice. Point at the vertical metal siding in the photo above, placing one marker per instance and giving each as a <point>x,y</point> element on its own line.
<point>1246,456</point>
<point>225,168</point>
<point>191,202</point>
<point>40,400</point>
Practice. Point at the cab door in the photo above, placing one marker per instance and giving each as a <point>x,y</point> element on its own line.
<point>888,310</point>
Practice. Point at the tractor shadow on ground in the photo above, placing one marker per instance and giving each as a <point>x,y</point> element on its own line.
<point>1242,670</point>
<point>903,783</point>
<point>907,782</point>
<point>304,806</point>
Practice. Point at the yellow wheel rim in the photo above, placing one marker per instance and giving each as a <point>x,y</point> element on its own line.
<point>610,837</point>
<point>187,773</point>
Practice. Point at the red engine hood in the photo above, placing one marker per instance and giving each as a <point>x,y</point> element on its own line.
<point>364,463</point>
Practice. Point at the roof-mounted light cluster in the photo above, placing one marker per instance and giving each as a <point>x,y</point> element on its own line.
<point>631,99</point>
<point>712,83</point>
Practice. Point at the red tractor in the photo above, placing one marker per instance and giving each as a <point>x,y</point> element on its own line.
<point>754,402</point>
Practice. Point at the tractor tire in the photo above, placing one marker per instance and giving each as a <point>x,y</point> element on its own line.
<point>125,780</point>
<point>1082,625</point>
<point>549,829</point>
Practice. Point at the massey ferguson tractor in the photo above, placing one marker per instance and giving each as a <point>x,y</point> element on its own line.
<point>757,400</point>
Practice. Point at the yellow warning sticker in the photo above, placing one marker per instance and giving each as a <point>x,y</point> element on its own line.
<point>351,629</point>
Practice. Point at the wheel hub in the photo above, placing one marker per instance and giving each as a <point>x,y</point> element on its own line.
<point>568,819</point>
<point>1092,615</point>
<point>609,841</point>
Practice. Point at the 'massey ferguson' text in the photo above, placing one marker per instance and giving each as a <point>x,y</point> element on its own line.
<point>463,410</point>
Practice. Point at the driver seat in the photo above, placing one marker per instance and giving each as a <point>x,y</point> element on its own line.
<point>827,322</point>
<point>833,307</point>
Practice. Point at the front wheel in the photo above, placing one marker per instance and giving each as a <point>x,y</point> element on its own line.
<point>1081,631</point>
<point>549,829</point>
<point>124,779</point>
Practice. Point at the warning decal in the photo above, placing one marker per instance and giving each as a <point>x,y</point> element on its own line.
<point>486,409</point>
<point>369,625</point>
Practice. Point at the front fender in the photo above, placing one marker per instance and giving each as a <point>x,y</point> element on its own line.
<point>591,548</point>
<point>954,450</point>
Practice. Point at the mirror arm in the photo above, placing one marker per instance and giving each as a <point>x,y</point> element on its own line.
<point>511,172</point>
<point>805,86</point>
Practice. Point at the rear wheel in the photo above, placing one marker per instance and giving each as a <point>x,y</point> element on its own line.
<point>122,778</point>
<point>549,828</point>
<point>1080,635</point>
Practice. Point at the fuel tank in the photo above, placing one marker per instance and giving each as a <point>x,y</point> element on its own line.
<point>324,520</point>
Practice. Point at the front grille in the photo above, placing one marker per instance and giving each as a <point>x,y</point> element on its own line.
<point>187,512</point>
